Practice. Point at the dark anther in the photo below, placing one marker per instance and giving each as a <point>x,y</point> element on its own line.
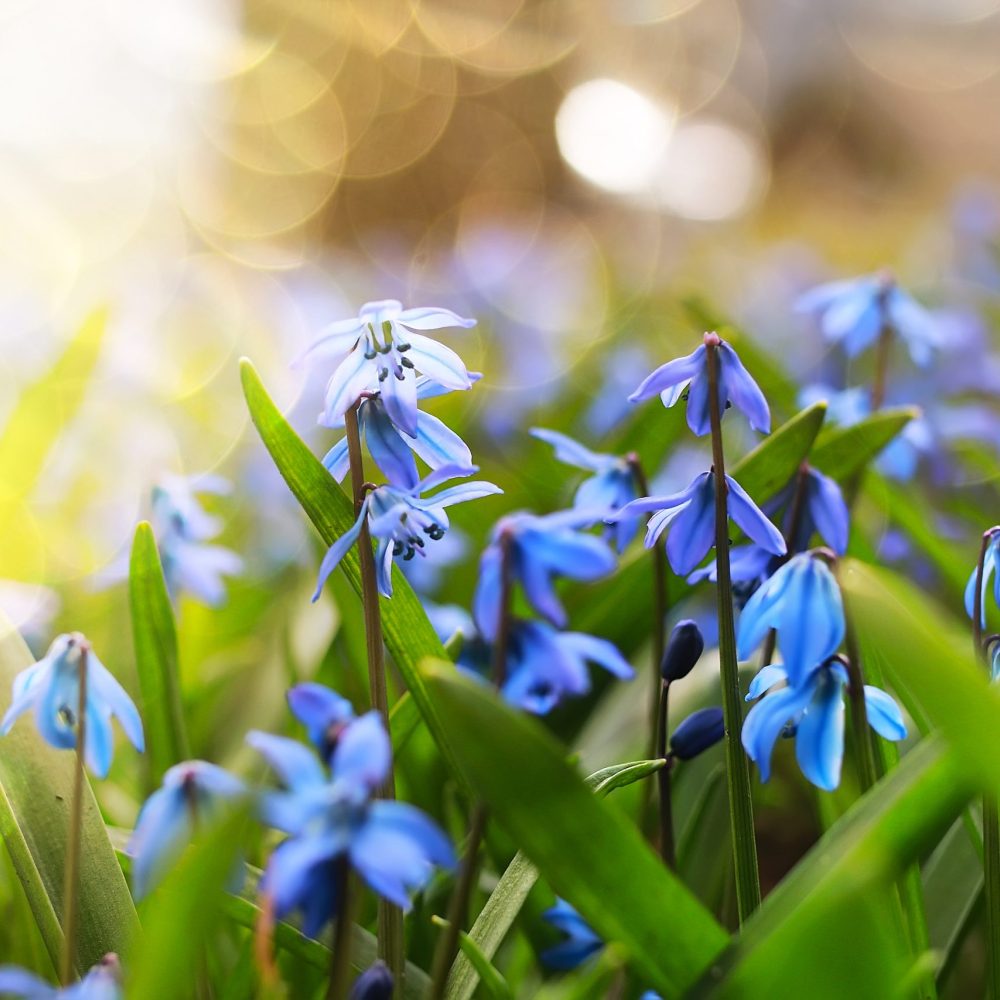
<point>397,548</point>
<point>371,354</point>
<point>407,363</point>
<point>402,347</point>
<point>383,374</point>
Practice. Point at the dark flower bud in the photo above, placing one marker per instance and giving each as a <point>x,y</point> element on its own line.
<point>683,649</point>
<point>697,733</point>
<point>375,983</point>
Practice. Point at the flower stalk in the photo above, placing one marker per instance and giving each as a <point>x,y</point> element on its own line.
<point>737,769</point>
<point>340,956</point>
<point>668,850</point>
<point>390,918</point>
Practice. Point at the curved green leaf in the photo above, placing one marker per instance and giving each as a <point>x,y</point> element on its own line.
<point>154,634</point>
<point>843,451</point>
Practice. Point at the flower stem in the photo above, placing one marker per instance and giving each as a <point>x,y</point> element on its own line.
<point>71,877</point>
<point>737,770</point>
<point>667,849</point>
<point>340,955</point>
<point>882,351</point>
<point>390,918</point>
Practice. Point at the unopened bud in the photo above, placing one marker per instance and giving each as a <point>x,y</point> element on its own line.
<point>697,733</point>
<point>684,648</point>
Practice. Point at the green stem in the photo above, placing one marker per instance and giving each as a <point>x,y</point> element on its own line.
<point>882,351</point>
<point>390,918</point>
<point>667,849</point>
<point>737,769</point>
<point>71,878</point>
<point>864,752</point>
<point>340,954</point>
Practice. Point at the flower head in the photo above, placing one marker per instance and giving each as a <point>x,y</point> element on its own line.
<point>384,354</point>
<point>854,313</point>
<point>688,378</point>
<point>802,602</point>
<point>102,982</point>
<point>991,563</point>
<point>538,548</point>
<point>52,688</point>
<point>612,486</point>
<point>692,516</point>
<point>333,817</point>
<point>403,521</point>
<point>813,712</point>
<point>193,794</point>
<point>699,731</point>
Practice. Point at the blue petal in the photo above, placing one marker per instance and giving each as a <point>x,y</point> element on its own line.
<point>399,397</point>
<point>411,822</point>
<point>572,452</point>
<point>752,519</point>
<point>99,746</point>
<point>828,511</point>
<point>437,444</point>
<point>811,626</point>
<point>295,764</point>
<point>760,614</point>
<point>570,954</point>
<point>388,449</point>
<point>699,417</point>
<point>438,362</point>
<point>383,567</point>
<point>671,374</point>
<point>353,376</point>
<point>766,720</point>
<point>432,318</point>
<point>915,325</point>
<point>291,876</point>
<point>27,685</point>
<point>765,679</point>
<point>338,460</point>
<point>819,741</point>
<point>18,982</point>
<point>486,601</point>
<point>161,831</point>
<point>883,713</point>
<point>739,387</point>
<point>109,693</point>
<point>599,651</point>
<point>693,530</point>
<point>340,547</point>
<point>363,753</point>
<point>461,494</point>
<point>318,708</point>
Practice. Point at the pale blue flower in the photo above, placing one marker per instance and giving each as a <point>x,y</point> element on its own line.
<point>991,565</point>
<point>688,376</point>
<point>691,515</point>
<point>621,369</point>
<point>802,602</point>
<point>580,944</point>
<point>193,795</point>
<point>854,312</point>
<point>52,688</point>
<point>403,521</point>
<point>611,487</point>
<point>814,713</point>
<point>385,354</point>
<point>102,982</point>
<point>322,711</point>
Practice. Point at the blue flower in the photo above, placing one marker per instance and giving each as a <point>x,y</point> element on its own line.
<point>822,511</point>
<point>802,602</point>
<point>684,649</point>
<point>854,312</point>
<point>52,688</point>
<point>689,375</point>
<point>392,845</point>
<point>814,712</point>
<point>375,983</point>
<point>748,564</point>
<point>611,487</point>
<point>403,521</point>
<point>385,353</point>
<point>182,529</point>
<point>540,548</point>
<point>692,514</point>
<point>609,405</point>
<point>392,448</point>
<point>991,562</point>
<point>193,795</point>
<point>322,711</point>
<point>103,982</point>
<point>699,731</point>
<point>581,942</point>
<point>545,666</point>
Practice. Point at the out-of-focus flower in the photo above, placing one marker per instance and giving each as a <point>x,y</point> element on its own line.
<point>814,711</point>
<point>699,731</point>
<point>802,602</point>
<point>540,548</point>
<point>623,368</point>
<point>611,487</point>
<point>692,516</point>
<point>684,649</point>
<point>581,941</point>
<point>193,795</point>
<point>375,983</point>
<point>322,711</point>
<point>392,449</point>
<point>102,982</point>
<point>819,510</point>
<point>854,313</point>
<point>52,688</point>
<point>427,575</point>
<point>392,845</point>
<point>402,520</point>
<point>991,568</point>
<point>689,376</point>
<point>384,354</point>
<point>747,564</point>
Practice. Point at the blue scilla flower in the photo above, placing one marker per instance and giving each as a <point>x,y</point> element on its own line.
<point>691,513</point>
<point>991,562</point>
<point>821,510</point>
<point>322,711</point>
<point>332,818</point>
<point>802,602</point>
<point>854,312</point>
<point>581,942</point>
<point>375,983</point>
<point>102,982</point>
<point>183,529</point>
<point>392,448</point>
<point>814,712</point>
<point>611,487</point>
<point>403,521</point>
<point>52,688</point>
<point>748,564</point>
<point>689,375</point>
<point>385,354</point>
<point>621,370</point>
<point>539,549</point>
<point>193,794</point>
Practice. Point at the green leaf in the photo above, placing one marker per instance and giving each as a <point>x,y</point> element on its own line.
<point>408,634</point>
<point>36,789</point>
<point>492,981</point>
<point>154,634</point>
<point>843,451</point>
<point>588,852</point>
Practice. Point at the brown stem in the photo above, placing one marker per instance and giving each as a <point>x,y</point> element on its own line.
<point>340,955</point>
<point>667,849</point>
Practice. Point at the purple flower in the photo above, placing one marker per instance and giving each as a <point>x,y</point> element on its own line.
<point>692,516</point>
<point>540,548</point>
<point>688,377</point>
<point>403,521</point>
<point>103,982</point>
<point>384,354</point>
<point>611,487</point>
<point>193,795</point>
<point>854,313</point>
<point>52,688</point>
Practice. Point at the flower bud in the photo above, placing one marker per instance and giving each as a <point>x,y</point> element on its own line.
<point>697,733</point>
<point>683,649</point>
<point>375,983</point>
